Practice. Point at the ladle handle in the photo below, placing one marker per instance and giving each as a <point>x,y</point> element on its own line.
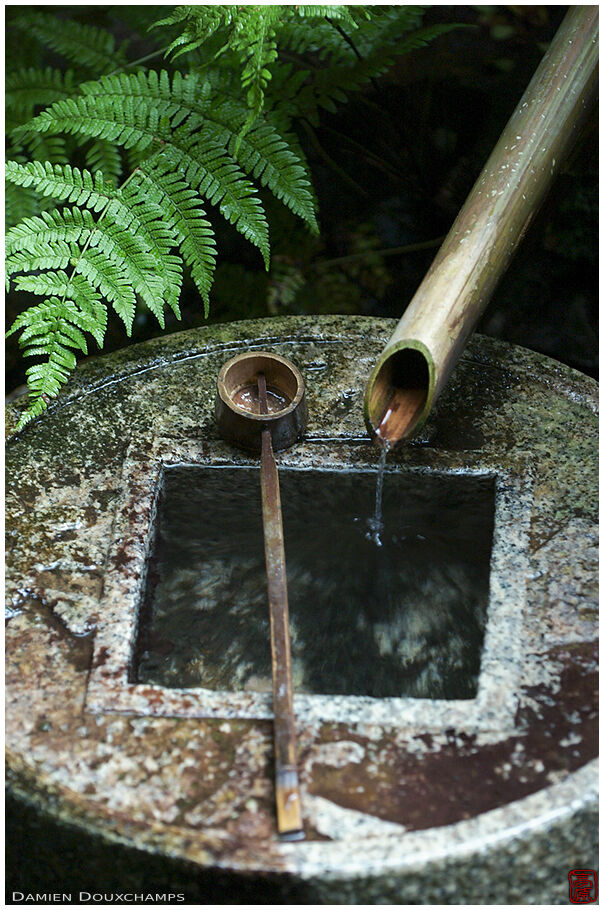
<point>277,590</point>
<point>289,816</point>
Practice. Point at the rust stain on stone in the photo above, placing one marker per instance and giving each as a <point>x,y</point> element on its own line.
<point>459,779</point>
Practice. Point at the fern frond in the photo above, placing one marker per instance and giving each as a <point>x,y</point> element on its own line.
<point>133,233</point>
<point>252,34</point>
<point>269,157</point>
<point>128,253</point>
<point>201,23</point>
<point>46,379</point>
<point>125,208</point>
<point>257,50</point>
<point>263,153</point>
<point>48,229</point>
<point>125,254</point>
<point>347,14</point>
<point>148,220</point>
<point>316,37</point>
<point>56,323</point>
<point>137,110</point>
<point>28,89</point>
<point>206,166</point>
<point>214,174</point>
<point>101,118</point>
<point>93,49</point>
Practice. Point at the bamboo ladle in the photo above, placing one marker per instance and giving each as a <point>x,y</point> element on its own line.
<point>261,406</point>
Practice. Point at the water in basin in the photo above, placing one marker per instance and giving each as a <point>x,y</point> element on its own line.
<point>400,616</point>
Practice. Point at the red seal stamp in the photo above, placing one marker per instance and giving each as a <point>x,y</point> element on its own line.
<point>583,886</point>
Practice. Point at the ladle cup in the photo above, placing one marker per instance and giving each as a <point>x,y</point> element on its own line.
<point>237,403</point>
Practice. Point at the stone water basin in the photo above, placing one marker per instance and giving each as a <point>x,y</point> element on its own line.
<point>461,771</point>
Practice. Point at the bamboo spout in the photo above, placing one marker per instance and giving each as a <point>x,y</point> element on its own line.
<point>430,337</point>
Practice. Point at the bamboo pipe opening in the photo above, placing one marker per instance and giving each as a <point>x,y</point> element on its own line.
<point>399,393</point>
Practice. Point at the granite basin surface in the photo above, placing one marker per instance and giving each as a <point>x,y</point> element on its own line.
<point>119,784</point>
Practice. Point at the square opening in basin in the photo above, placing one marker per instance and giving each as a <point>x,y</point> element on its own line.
<point>402,617</point>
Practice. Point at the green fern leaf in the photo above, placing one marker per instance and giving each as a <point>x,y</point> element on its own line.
<point>48,229</point>
<point>147,220</point>
<point>125,124</point>
<point>128,253</point>
<point>214,174</point>
<point>112,260</point>
<point>47,378</point>
<point>58,257</point>
<point>139,109</point>
<point>26,90</point>
<point>269,158</point>
<point>206,166</point>
<point>201,23</point>
<point>251,33</point>
<point>125,208</point>
<point>258,51</point>
<point>344,13</point>
<point>263,153</point>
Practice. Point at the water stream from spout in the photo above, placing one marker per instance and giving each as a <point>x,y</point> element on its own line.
<point>399,414</point>
<point>376,522</point>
